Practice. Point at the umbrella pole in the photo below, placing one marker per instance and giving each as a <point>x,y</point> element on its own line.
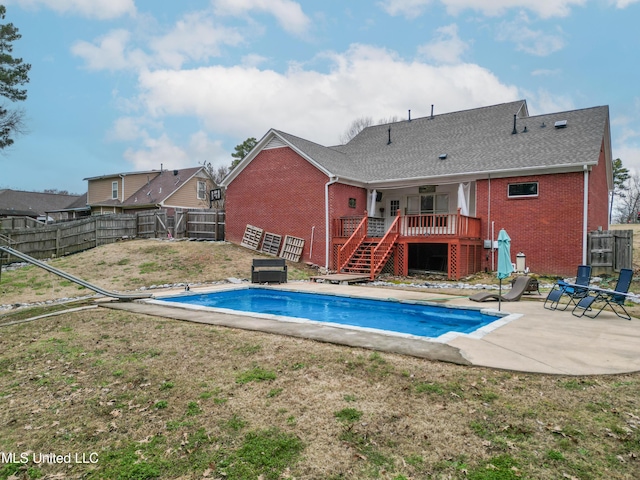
<point>500,294</point>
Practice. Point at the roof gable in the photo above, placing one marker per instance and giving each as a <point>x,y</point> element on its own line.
<point>162,186</point>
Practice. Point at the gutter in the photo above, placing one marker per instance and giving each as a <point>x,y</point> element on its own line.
<point>327,240</point>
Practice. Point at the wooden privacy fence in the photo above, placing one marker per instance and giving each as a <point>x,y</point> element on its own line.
<point>70,237</point>
<point>46,241</point>
<point>610,251</point>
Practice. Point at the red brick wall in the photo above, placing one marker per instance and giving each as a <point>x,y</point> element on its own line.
<point>339,195</point>
<point>281,193</point>
<point>598,190</point>
<point>546,228</point>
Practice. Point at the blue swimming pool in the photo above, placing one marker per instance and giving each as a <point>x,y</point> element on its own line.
<point>389,315</point>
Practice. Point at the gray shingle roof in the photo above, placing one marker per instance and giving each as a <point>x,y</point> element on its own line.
<point>475,141</point>
<point>161,187</point>
<point>36,203</point>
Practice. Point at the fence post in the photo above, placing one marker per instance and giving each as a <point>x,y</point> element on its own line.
<point>216,228</point>
<point>58,235</point>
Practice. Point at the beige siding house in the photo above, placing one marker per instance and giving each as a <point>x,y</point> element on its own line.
<point>187,188</point>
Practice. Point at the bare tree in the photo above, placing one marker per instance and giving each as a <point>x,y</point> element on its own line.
<point>392,119</point>
<point>355,128</point>
<point>360,124</point>
<point>628,205</point>
<point>216,174</point>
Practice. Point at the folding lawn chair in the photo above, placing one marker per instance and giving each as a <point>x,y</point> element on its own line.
<point>614,298</point>
<point>574,294</point>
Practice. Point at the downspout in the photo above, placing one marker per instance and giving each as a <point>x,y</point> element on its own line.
<point>326,220</point>
<point>489,224</point>
<point>122,177</point>
<point>585,214</point>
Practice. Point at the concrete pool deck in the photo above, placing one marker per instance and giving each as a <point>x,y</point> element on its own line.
<point>534,340</point>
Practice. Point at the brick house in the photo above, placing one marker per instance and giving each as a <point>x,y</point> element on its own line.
<point>432,193</point>
<point>132,192</point>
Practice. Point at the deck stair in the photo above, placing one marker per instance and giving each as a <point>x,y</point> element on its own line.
<point>360,261</point>
<point>370,255</point>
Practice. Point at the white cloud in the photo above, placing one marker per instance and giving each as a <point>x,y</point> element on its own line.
<point>624,3</point>
<point>245,101</point>
<point>110,52</point>
<point>542,8</point>
<point>127,129</point>
<point>543,101</point>
<point>408,8</point>
<point>101,9</point>
<point>535,42</point>
<point>545,72</point>
<point>194,37</point>
<point>630,156</point>
<point>158,151</point>
<point>253,60</point>
<point>447,47</point>
<point>288,13</point>
<point>163,150</point>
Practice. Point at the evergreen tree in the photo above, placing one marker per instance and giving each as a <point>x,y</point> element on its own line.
<point>242,150</point>
<point>14,74</point>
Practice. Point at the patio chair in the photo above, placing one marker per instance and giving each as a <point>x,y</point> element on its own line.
<point>614,298</point>
<point>513,295</point>
<point>574,294</point>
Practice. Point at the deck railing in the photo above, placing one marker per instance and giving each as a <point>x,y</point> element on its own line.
<point>441,224</point>
<point>351,245</point>
<point>449,224</point>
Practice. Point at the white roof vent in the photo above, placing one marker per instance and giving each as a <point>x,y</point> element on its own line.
<point>560,124</point>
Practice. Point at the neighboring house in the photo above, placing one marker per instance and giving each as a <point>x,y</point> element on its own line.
<point>187,188</point>
<point>438,188</point>
<point>38,205</point>
<point>77,209</point>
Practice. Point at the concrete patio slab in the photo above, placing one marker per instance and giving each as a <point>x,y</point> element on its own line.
<point>533,340</point>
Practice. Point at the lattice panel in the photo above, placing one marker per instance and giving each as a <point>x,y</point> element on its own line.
<point>251,238</point>
<point>292,248</point>
<point>389,266</point>
<point>454,261</point>
<point>334,257</point>
<point>271,243</point>
<point>403,266</point>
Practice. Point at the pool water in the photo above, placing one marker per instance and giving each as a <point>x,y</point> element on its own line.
<point>391,315</point>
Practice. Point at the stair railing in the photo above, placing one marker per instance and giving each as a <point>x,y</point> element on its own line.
<point>380,253</point>
<point>347,250</point>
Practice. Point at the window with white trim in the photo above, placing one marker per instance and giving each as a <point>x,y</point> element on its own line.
<point>394,206</point>
<point>114,190</point>
<point>525,189</point>
<point>202,190</point>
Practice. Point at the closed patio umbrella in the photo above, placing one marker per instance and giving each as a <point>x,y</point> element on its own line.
<point>504,260</point>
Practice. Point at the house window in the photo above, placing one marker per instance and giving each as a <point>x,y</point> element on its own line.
<point>114,190</point>
<point>529,189</point>
<point>394,206</point>
<point>352,203</point>
<point>202,190</point>
<point>428,204</point>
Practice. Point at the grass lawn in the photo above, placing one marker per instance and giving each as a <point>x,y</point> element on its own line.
<point>139,397</point>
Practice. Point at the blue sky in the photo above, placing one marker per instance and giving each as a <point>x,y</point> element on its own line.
<point>126,85</point>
